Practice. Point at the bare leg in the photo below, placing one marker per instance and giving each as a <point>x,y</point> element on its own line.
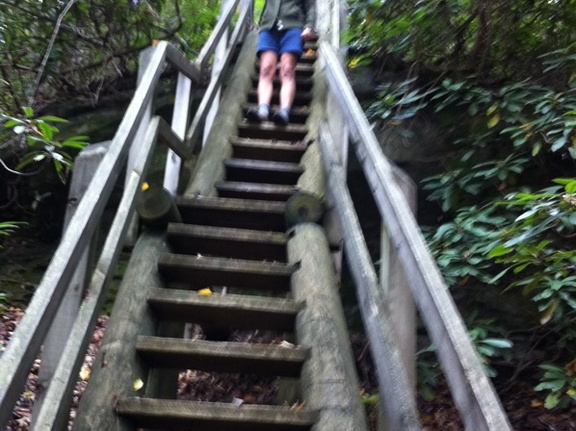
<point>268,61</point>
<point>288,62</point>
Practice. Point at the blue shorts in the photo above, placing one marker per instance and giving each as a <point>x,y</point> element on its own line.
<point>281,41</point>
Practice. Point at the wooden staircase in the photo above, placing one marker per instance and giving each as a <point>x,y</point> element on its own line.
<point>235,245</point>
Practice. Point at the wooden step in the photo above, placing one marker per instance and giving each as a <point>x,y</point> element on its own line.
<point>266,149</point>
<point>200,271</point>
<point>298,114</point>
<point>262,171</point>
<point>180,415</point>
<point>229,357</point>
<point>301,98</point>
<point>226,242</point>
<point>229,311</point>
<point>268,130</point>
<point>237,213</point>
<point>270,192</point>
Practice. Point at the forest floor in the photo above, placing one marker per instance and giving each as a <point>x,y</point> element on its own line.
<point>22,261</point>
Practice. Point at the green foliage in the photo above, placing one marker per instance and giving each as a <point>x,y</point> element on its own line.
<point>370,400</point>
<point>536,249</point>
<point>39,135</point>
<point>461,245</point>
<point>498,80</point>
<point>428,372</point>
<point>96,44</point>
<point>560,383</point>
<point>7,227</point>
<point>501,39</point>
<point>486,335</point>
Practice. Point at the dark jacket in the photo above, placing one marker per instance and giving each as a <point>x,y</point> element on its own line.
<point>290,13</point>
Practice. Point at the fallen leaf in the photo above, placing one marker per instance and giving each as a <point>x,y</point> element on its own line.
<point>138,384</point>
<point>84,373</point>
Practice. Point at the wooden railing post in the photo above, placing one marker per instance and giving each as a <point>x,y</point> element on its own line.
<point>180,116</point>
<point>144,120</point>
<point>217,65</point>
<point>398,295</point>
<point>85,166</point>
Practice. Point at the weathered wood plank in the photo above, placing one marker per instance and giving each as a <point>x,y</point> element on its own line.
<point>397,400</point>
<point>472,391</point>
<point>228,212</point>
<point>200,272</point>
<point>231,311</point>
<point>114,370</point>
<point>230,357</point>
<point>189,69</point>
<point>54,413</point>
<point>18,357</point>
<point>227,242</point>
<point>267,149</point>
<point>258,191</point>
<point>396,289</point>
<point>268,130</point>
<point>172,140</point>
<point>202,416</point>
<point>222,25</point>
<point>329,381</point>
<point>85,165</point>
<point>195,129</point>
<point>258,171</point>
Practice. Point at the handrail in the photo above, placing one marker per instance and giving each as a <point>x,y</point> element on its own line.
<point>195,128</point>
<point>393,382</point>
<point>29,335</point>
<point>471,389</point>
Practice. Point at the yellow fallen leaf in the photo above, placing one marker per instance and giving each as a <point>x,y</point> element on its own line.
<point>205,292</point>
<point>84,373</point>
<point>138,384</point>
<point>145,186</point>
<point>536,403</point>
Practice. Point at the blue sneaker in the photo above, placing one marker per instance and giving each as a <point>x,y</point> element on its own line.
<point>257,115</point>
<point>282,117</point>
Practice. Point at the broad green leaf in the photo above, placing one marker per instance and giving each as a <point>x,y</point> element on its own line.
<point>559,143</point>
<point>11,123</point>
<point>499,250</point>
<point>536,148</point>
<point>552,385</point>
<point>53,119</point>
<point>552,401</point>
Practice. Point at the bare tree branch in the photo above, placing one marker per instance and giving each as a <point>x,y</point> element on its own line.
<point>49,51</point>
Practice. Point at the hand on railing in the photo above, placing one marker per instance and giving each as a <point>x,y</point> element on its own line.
<point>307,34</point>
